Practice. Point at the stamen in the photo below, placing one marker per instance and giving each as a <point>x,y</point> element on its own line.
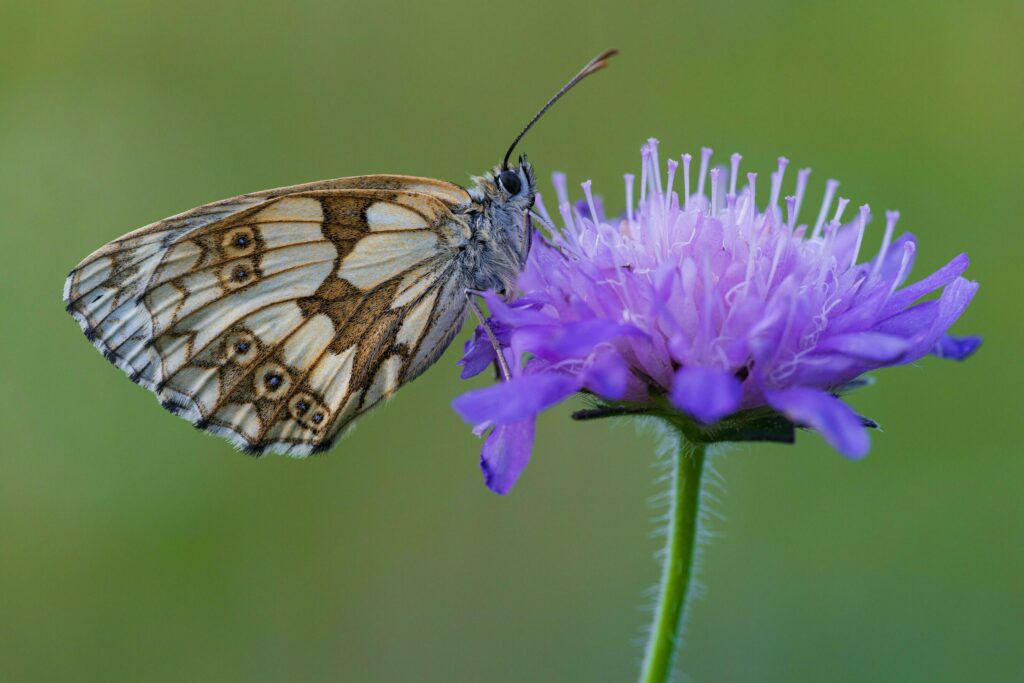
<point>780,243</point>
<point>734,172</point>
<point>655,164</point>
<point>672,166</point>
<point>838,217</point>
<point>890,225</point>
<point>590,201</point>
<point>830,192</point>
<point>777,181</point>
<point>645,161</point>
<point>716,191</point>
<point>790,211</point>
<point>629,178</point>
<point>538,205</point>
<point>862,221</point>
<point>908,253</point>
<point>801,189</point>
<point>831,230</point>
<point>558,180</point>
<point>705,157</point>
<point>565,210</point>
<point>686,181</point>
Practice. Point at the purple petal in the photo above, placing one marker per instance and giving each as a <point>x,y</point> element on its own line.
<point>515,400</point>
<point>608,376</point>
<point>867,345</point>
<point>824,412</point>
<point>911,322</point>
<point>956,348</point>
<point>478,354</point>
<point>573,340</point>
<point>516,315</point>
<point>707,394</point>
<point>505,453</point>
<point>951,305</point>
<point>911,293</point>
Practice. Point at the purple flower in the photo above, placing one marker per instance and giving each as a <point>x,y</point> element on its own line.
<point>709,311</point>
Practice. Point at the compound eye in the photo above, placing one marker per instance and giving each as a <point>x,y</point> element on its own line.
<point>509,181</point>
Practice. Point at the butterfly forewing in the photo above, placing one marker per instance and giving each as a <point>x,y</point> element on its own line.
<point>276,318</point>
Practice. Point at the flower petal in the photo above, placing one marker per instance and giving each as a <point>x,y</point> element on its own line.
<point>608,376</point>
<point>827,414</point>
<point>956,348</point>
<point>572,340</point>
<point>951,305</point>
<point>911,293</point>
<point>505,453</point>
<point>516,399</point>
<point>478,354</point>
<point>867,345</point>
<point>707,394</point>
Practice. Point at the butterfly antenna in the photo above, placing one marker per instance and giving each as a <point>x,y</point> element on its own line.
<point>596,64</point>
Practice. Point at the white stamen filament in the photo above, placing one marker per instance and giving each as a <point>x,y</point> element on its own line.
<point>558,180</point>
<point>672,166</point>
<point>890,224</point>
<point>629,178</point>
<point>838,217</point>
<point>908,253</point>
<point>705,157</point>
<point>652,143</point>
<point>777,181</point>
<point>790,211</point>
<point>830,192</point>
<point>801,190</point>
<point>590,201</point>
<point>645,155</point>
<point>734,172</point>
<point>862,221</point>
<point>716,191</point>
<point>686,181</point>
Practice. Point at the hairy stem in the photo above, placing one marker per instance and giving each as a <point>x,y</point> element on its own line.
<point>677,571</point>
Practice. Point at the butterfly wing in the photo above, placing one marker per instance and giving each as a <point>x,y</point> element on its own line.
<point>276,318</point>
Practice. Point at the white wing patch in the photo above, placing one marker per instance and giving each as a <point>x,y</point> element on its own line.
<point>387,216</point>
<point>291,210</point>
<point>381,256</point>
<point>416,320</point>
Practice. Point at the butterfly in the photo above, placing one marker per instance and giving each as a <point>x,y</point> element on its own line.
<point>276,318</point>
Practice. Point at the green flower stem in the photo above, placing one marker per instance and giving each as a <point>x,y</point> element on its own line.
<point>677,572</point>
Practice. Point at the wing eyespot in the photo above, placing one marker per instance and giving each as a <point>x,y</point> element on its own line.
<point>239,242</point>
<point>308,411</point>
<point>239,274</point>
<point>240,348</point>
<point>272,381</point>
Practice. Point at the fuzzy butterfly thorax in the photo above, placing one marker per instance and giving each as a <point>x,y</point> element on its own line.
<point>501,230</point>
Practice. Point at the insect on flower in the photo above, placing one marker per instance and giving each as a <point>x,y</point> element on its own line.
<point>276,318</point>
<point>733,322</point>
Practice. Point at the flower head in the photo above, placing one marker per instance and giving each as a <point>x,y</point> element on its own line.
<point>703,304</point>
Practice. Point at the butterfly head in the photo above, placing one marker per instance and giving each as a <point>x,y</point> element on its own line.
<point>513,186</point>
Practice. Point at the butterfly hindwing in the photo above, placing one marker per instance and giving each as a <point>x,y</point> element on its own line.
<point>276,318</point>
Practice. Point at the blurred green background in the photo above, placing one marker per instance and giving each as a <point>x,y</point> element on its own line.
<point>133,547</point>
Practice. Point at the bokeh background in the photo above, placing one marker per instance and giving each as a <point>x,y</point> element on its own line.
<point>133,547</point>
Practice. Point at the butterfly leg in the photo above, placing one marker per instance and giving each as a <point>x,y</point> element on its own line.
<point>498,354</point>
